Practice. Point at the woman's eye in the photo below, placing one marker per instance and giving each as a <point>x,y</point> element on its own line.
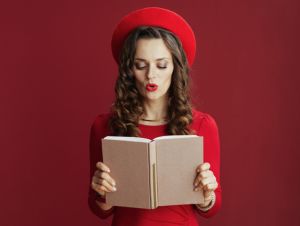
<point>139,67</point>
<point>161,67</point>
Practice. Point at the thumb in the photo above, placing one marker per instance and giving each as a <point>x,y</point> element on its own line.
<point>207,194</point>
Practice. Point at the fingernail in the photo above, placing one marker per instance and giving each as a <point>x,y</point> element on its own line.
<point>198,170</point>
<point>196,189</point>
<point>196,184</point>
<point>108,170</point>
<point>114,188</point>
<point>113,183</point>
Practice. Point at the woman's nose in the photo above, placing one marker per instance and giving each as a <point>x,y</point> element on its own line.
<point>151,73</point>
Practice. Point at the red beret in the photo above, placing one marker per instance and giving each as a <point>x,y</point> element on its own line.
<point>155,16</point>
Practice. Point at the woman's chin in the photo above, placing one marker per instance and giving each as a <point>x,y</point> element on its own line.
<point>153,96</point>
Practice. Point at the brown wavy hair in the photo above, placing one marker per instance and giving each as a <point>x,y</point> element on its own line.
<point>128,105</point>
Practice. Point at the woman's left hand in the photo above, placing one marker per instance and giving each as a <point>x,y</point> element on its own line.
<point>206,180</point>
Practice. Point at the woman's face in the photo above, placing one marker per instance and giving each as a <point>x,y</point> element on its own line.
<point>153,65</point>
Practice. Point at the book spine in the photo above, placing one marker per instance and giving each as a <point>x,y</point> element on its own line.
<point>153,175</point>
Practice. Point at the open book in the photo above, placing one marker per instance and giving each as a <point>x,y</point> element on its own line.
<point>152,173</point>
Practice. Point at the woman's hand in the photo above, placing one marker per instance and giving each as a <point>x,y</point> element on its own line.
<point>102,182</point>
<point>205,180</point>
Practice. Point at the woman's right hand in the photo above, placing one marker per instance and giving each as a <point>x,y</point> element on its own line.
<point>102,182</point>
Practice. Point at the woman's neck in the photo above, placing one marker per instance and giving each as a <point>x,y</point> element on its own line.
<point>155,112</point>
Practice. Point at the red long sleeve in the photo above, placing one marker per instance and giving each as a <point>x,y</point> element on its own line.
<point>98,131</point>
<point>209,130</point>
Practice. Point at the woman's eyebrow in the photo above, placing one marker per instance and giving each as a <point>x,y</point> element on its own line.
<point>158,59</point>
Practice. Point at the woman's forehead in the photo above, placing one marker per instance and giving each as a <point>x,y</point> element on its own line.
<point>154,49</point>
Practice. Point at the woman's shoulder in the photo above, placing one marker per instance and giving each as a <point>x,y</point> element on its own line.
<point>102,118</point>
<point>100,123</point>
<point>203,119</point>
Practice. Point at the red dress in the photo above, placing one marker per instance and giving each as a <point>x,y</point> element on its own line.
<point>184,215</point>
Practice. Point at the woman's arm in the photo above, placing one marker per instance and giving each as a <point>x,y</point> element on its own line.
<point>211,146</point>
<point>97,203</point>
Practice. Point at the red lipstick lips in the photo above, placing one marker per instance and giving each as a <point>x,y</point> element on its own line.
<point>151,87</point>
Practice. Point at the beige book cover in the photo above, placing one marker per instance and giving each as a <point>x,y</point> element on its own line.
<point>152,173</point>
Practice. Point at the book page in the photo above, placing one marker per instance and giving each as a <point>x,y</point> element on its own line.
<point>174,137</point>
<point>134,139</point>
<point>176,163</point>
<point>129,165</point>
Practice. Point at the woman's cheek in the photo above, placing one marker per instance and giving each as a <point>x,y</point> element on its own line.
<point>167,85</point>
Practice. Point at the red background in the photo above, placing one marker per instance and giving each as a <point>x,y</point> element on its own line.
<point>57,73</point>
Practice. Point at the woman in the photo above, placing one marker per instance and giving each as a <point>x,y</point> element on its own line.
<point>154,49</point>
